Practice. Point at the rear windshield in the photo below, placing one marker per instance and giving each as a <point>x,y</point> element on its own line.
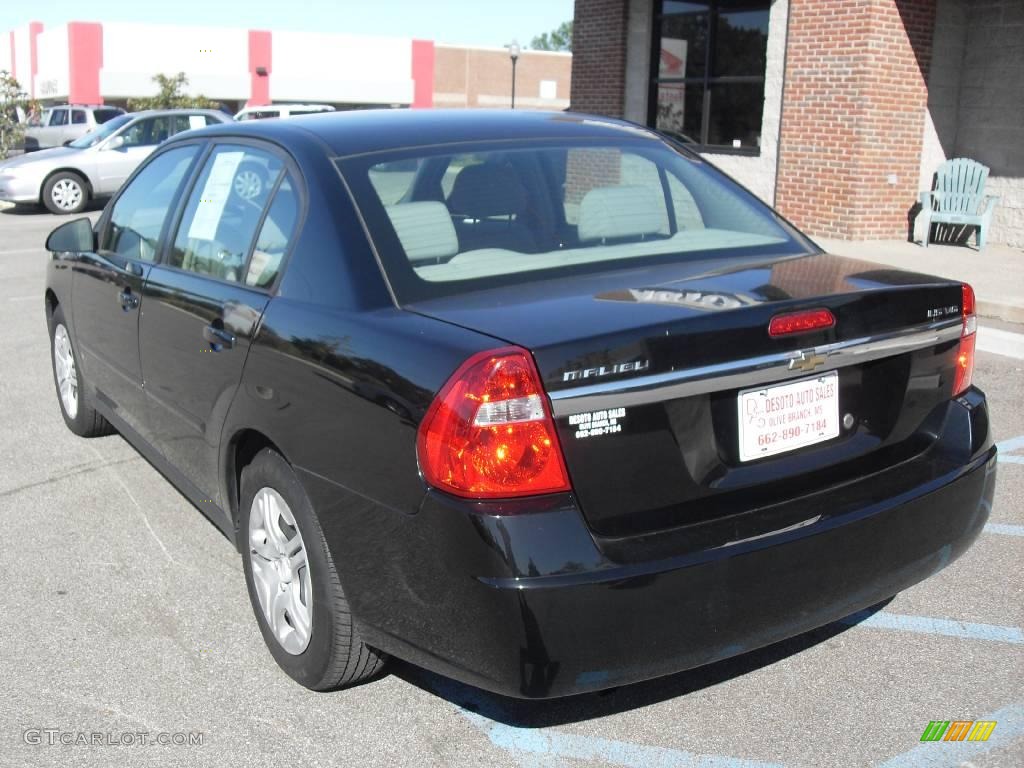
<point>108,113</point>
<point>450,220</point>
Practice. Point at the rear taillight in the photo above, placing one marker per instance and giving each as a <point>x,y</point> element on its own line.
<point>965,355</point>
<point>489,433</point>
<point>800,322</point>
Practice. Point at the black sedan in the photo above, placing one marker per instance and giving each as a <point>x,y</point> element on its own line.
<point>537,401</point>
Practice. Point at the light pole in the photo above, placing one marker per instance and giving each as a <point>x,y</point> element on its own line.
<point>513,52</point>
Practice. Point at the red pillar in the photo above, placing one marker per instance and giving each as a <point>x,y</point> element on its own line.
<point>260,56</point>
<point>423,73</point>
<point>34,28</point>
<point>85,60</point>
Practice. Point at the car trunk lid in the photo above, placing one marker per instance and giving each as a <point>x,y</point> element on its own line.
<point>645,371</point>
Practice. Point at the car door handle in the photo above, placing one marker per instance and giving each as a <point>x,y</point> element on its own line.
<point>129,300</point>
<point>218,337</point>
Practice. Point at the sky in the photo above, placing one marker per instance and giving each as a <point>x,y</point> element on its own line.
<point>463,22</point>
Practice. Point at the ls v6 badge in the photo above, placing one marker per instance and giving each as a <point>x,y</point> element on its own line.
<point>606,370</point>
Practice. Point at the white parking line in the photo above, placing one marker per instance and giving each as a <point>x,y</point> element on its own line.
<point>1001,342</point>
<point>16,251</point>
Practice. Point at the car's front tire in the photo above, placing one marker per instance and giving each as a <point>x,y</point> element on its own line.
<point>72,396</point>
<point>293,585</point>
<point>65,193</point>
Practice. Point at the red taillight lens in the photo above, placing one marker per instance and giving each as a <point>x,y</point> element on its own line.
<point>965,355</point>
<point>489,433</point>
<point>800,322</point>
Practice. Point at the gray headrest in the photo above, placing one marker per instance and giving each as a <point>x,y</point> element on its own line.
<point>425,230</point>
<point>610,212</point>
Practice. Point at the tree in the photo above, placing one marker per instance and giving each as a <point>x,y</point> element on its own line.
<point>557,40</point>
<point>12,98</point>
<point>170,95</point>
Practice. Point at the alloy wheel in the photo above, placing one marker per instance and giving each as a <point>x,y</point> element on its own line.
<point>248,185</point>
<point>280,570</point>
<point>67,374</point>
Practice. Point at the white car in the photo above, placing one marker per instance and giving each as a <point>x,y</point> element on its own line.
<point>281,110</point>
<point>59,125</point>
<point>64,179</point>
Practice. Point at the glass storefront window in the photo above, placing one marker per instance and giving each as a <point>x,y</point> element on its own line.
<point>709,70</point>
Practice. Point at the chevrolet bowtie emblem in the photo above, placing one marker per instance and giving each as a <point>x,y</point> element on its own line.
<point>806,360</point>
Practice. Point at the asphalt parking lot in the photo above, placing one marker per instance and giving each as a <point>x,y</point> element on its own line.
<point>125,614</point>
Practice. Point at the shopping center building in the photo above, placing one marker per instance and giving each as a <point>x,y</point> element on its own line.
<point>88,62</point>
<point>838,112</point>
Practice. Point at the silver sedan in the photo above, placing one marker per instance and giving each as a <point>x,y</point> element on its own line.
<point>64,179</point>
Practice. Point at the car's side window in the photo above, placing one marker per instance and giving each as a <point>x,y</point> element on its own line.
<point>78,117</point>
<point>137,217</point>
<point>59,117</point>
<point>223,212</point>
<point>147,133</point>
<point>275,236</point>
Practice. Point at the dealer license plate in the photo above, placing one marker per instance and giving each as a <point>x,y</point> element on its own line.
<point>788,416</point>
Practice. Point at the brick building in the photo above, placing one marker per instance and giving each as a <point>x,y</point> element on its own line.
<point>837,112</point>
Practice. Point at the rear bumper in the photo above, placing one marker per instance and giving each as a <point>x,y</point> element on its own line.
<point>533,605</point>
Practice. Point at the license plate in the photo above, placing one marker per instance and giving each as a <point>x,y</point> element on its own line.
<point>788,416</point>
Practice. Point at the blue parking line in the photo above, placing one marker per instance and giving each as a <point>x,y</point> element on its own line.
<point>1004,529</point>
<point>928,626</point>
<point>1007,447</point>
<point>941,754</point>
<point>557,745</point>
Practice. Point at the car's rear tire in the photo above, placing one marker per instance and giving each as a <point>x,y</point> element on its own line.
<point>72,396</point>
<point>65,193</point>
<point>293,585</point>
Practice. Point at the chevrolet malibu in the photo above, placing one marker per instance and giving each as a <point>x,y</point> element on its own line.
<point>541,402</point>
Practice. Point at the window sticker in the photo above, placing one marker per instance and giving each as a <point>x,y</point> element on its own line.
<point>214,196</point>
<point>196,121</point>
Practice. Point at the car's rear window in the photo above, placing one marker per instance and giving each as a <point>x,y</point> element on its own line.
<point>102,115</point>
<point>464,218</point>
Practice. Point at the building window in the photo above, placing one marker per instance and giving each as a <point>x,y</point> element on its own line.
<point>707,72</point>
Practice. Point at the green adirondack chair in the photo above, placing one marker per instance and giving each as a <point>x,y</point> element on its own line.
<point>958,198</point>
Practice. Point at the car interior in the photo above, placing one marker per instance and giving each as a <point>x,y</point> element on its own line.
<point>470,215</point>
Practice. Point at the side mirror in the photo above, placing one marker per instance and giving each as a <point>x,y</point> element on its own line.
<point>115,143</point>
<point>75,236</point>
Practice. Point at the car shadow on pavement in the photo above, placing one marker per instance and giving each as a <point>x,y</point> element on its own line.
<point>542,713</point>
<point>34,210</point>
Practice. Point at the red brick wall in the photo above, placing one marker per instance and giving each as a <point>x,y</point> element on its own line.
<point>599,57</point>
<point>853,110</point>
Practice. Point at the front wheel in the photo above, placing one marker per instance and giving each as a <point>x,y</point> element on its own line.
<point>75,403</point>
<point>65,193</point>
<point>293,585</point>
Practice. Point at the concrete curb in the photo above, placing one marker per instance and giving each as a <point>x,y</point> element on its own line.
<point>1001,342</point>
